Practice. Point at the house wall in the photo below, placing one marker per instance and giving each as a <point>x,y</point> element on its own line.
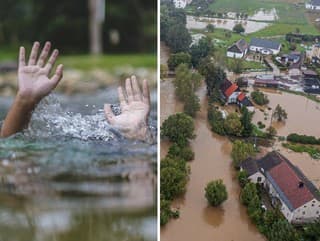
<point>294,72</point>
<point>234,55</point>
<point>307,213</point>
<point>233,98</point>
<point>180,3</point>
<point>259,49</point>
<point>312,7</point>
<point>254,178</point>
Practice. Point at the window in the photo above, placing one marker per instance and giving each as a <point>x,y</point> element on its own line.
<point>303,213</point>
<point>259,179</point>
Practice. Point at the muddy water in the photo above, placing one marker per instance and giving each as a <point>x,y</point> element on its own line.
<point>303,118</point>
<point>197,220</point>
<point>303,114</point>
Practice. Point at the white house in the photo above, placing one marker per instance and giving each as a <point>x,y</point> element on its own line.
<point>232,94</point>
<point>181,3</point>
<point>313,5</point>
<point>265,46</point>
<point>296,197</point>
<point>238,50</point>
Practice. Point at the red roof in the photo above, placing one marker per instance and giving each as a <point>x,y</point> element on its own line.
<point>241,96</point>
<point>231,90</point>
<point>288,181</point>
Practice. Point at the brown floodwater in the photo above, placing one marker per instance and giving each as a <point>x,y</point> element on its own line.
<point>212,161</point>
<point>303,114</point>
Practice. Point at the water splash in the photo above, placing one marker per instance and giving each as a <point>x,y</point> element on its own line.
<point>50,119</point>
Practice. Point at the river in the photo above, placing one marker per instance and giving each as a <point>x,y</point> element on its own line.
<point>197,220</point>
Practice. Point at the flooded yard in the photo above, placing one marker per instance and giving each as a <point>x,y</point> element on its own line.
<point>197,220</point>
<point>303,114</point>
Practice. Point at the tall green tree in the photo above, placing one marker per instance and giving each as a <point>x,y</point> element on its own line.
<point>178,38</point>
<point>200,50</point>
<point>232,125</point>
<point>214,74</point>
<point>186,82</point>
<point>178,128</point>
<point>192,105</point>
<point>179,58</point>
<point>246,121</point>
<point>241,151</point>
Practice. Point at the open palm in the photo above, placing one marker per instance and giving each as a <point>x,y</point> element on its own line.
<point>34,80</point>
<point>135,108</point>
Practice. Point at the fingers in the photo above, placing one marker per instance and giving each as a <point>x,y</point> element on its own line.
<point>51,61</point>
<point>109,114</point>
<point>44,54</point>
<point>34,53</point>
<point>146,92</point>
<point>57,76</point>
<point>22,57</point>
<point>129,90</point>
<point>122,99</point>
<point>136,89</point>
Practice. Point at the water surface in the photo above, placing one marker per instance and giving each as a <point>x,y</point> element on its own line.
<point>70,176</point>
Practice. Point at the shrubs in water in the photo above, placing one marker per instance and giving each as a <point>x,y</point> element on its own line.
<point>216,192</point>
<point>303,139</point>
<point>259,98</point>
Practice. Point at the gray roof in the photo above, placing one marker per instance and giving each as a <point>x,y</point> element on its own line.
<point>264,43</point>
<point>315,2</point>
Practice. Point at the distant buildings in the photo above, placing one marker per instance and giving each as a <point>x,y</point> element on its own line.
<point>181,3</point>
<point>238,50</point>
<point>289,189</point>
<point>265,46</point>
<point>313,5</point>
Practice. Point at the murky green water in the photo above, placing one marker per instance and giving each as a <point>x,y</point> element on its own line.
<point>71,177</point>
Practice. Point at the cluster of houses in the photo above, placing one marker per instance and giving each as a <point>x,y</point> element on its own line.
<point>232,94</point>
<point>288,188</point>
<point>264,46</point>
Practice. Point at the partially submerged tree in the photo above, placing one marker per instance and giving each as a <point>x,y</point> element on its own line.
<point>216,192</point>
<point>178,128</point>
<point>279,113</point>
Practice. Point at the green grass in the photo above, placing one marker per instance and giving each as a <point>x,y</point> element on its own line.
<point>110,62</point>
<point>88,62</point>
<point>277,29</point>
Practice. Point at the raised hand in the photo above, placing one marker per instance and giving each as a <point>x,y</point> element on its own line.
<point>34,83</point>
<point>135,109</point>
<point>33,77</point>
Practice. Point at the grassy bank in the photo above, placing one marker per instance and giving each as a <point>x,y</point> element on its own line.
<point>314,152</point>
<point>88,62</point>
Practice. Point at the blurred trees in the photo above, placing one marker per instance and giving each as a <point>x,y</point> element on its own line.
<point>130,26</point>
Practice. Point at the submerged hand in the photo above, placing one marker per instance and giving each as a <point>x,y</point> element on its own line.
<point>135,109</point>
<point>34,81</point>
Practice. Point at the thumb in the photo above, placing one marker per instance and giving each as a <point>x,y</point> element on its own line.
<point>109,114</point>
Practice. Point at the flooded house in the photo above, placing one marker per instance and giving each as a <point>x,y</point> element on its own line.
<point>232,94</point>
<point>238,50</point>
<point>313,5</point>
<point>288,188</point>
<point>264,46</point>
